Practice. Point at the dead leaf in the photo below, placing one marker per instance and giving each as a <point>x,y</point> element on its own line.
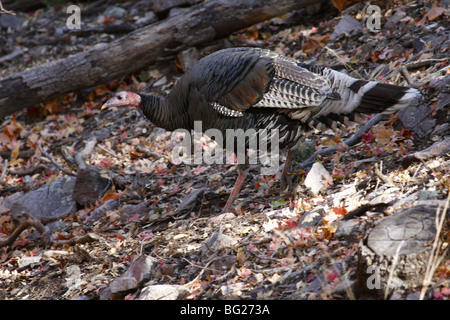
<point>315,43</point>
<point>342,4</point>
<point>435,12</point>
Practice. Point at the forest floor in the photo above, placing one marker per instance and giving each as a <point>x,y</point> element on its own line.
<point>155,223</point>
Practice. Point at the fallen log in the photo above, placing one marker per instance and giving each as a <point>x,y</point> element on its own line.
<point>103,63</point>
<point>22,5</point>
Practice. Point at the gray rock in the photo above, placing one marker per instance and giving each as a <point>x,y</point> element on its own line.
<point>348,230</point>
<point>100,134</point>
<point>318,178</point>
<point>347,24</point>
<point>49,203</point>
<point>149,18</point>
<point>164,292</point>
<point>418,119</point>
<point>188,58</point>
<point>7,202</point>
<point>115,12</point>
<point>16,53</point>
<point>29,261</point>
<point>408,231</point>
<point>130,210</point>
<point>393,21</point>
<point>138,272</point>
<point>311,218</point>
<point>90,186</point>
<point>10,21</point>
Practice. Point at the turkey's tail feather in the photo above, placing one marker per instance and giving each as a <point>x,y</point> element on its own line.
<point>386,98</point>
<point>362,96</point>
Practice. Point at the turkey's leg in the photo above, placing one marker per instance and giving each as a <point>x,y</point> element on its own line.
<point>286,182</point>
<point>243,171</point>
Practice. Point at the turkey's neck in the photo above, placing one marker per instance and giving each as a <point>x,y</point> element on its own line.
<point>165,113</point>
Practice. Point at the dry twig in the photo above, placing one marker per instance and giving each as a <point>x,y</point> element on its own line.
<point>53,161</point>
<point>29,221</point>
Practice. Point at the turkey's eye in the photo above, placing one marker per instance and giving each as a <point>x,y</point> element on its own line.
<point>119,97</point>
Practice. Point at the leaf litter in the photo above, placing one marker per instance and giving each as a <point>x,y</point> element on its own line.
<point>275,245</point>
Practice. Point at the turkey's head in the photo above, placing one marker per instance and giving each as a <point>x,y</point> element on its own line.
<point>123,99</point>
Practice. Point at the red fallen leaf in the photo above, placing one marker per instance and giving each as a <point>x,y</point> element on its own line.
<point>15,152</point>
<point>287,224</point>
<point>123,136</point>
<point>160,182</point>
<point>135,141</point>
<point>113,195</point>
<point>342,4</point>
<point>13,129</point>
<point>10,131</point>
<point>244,272</point>
<point>438,296</point>
<point>332,275</point>
<point>5,230</point>
<point>167,269</point>
<point>433,108</point>
<point>315,43</point>
<point>52,107</point>
<point>105,163</point>
<point>90,105</point>
<point>22,242</point>
<point>367,137</point>
<point>340,211</point>
<point>253,34</point>
<point>445,291</point>
<point>408,134</point>
<point>145,235</point>
<point>134,155</point>
<point>130,296</point>
<point>108,20</point>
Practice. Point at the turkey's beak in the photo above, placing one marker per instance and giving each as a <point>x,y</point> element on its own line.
<point>105,105</point>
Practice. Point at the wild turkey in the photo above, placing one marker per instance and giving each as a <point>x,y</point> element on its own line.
<point>244,88</point>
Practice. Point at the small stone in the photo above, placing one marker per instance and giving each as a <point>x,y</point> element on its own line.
<point>138,272</point>
<point>29,261</point>
<point>90,186</point>
<point>132,210</point>
<point>188,58</point>
<point>318,178</point>
<point>149,18</point>
<point>347,24</point>
<point>348,230</point>
<point>164,292</point>
<point>311,218</point>
<point>115,12</point>
<point>10,21</point>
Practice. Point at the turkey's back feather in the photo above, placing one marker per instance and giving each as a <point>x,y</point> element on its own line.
<point>234,78</point>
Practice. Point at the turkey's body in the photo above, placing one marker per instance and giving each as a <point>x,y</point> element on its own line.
<point>251,88</point>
